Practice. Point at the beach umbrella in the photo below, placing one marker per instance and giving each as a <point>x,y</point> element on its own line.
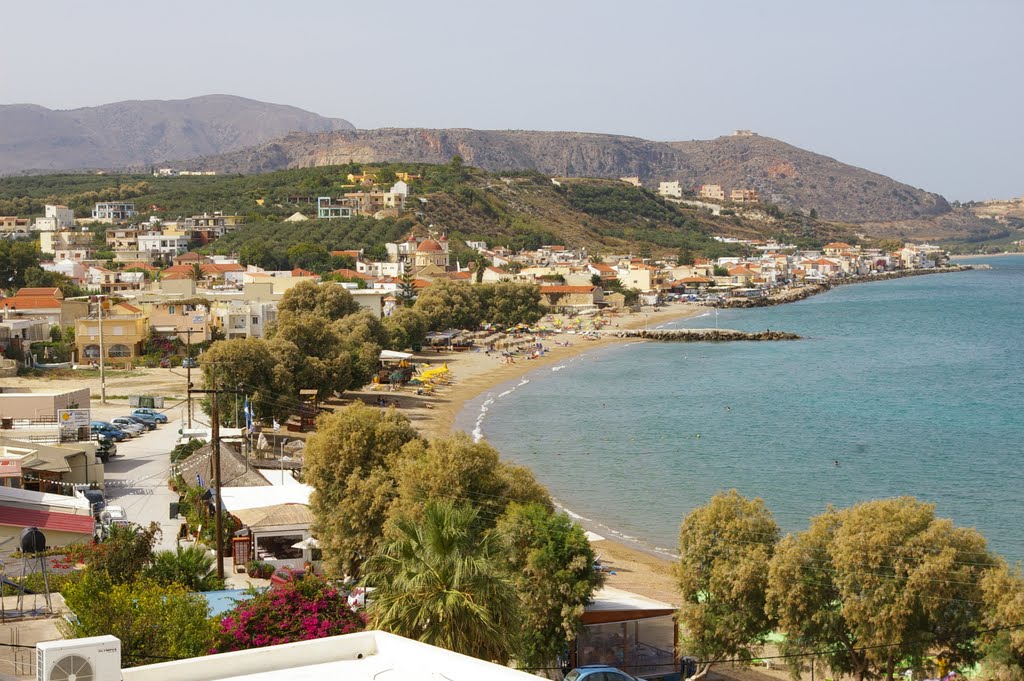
<point>307,544</point>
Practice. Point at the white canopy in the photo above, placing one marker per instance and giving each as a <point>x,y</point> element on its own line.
<point>395,355</point>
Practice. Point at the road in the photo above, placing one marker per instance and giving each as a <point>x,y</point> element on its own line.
<point>137,477</point>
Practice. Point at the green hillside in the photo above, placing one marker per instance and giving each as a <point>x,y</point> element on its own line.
<point>519,210</point>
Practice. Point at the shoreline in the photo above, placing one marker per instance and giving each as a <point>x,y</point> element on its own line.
<point>632,566</point>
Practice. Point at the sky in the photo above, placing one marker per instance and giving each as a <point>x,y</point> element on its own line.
<point>928,92</point>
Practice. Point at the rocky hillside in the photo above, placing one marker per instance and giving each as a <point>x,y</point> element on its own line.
<point>137,133</point>
<point>793,178</point>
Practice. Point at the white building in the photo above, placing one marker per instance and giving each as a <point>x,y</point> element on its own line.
<point>670,189</point>
<point>365,656</point>
<point>57,217</point>
<point>113,212</point>
<point>159,245</point>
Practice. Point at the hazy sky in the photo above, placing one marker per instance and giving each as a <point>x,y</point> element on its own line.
<point>926,91</point>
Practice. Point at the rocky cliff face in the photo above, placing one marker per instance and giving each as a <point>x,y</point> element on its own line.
<point>783,174</point>
<point>137,133</point>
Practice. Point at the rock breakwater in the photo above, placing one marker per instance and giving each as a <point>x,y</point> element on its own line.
<point>703,335</point>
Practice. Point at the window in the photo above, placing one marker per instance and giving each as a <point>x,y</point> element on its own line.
<point>255,321</point>
<point>91,352</point>
<point>119,350</point>
<point>170,309</point>
<point>278,547</point>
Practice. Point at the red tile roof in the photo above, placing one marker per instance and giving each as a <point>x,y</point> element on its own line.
<point>32,303</point>
<point>46,520</point>
<point>55,292</point>
<point>352,274</point>
<point>567,289</point>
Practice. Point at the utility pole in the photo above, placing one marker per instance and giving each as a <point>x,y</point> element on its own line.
<point>188,368</point>
<point>103,357</point>
<point>215,393</point>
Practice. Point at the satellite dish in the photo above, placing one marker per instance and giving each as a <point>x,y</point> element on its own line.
<point>32,540</point>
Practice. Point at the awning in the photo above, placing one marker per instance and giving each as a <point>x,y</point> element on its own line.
<point>394,355</point>
<point>47,520</point>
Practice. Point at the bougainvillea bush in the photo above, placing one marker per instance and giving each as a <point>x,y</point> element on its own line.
<point>304,609</point>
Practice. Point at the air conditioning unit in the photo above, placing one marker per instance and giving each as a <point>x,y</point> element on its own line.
<point>79,659</point>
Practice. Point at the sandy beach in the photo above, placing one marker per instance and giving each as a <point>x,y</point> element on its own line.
<point>628,567</point>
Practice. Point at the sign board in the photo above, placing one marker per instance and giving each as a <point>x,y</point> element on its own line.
<point>71,420</point>
<point>10,468</point>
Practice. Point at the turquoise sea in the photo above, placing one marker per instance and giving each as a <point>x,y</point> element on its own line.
<point>905,387</point>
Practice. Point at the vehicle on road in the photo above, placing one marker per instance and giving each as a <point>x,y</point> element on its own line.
<point>146,411</point>
<point>128,426</point>
<point>105,448</point>
<point>96,501</point>
<point>597,672</point>
<point>108,429</point>
<point>146,422</point>
<point>189,363</point>
<point>285,575</point>
<point>111,517</point>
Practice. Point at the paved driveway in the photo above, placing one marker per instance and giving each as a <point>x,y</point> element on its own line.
<point>137,479</point>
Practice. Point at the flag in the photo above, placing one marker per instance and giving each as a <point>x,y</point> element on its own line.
<point>247,408</point>
<point>277,426</point>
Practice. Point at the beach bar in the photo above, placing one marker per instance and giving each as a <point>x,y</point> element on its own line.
<point>629,631</point>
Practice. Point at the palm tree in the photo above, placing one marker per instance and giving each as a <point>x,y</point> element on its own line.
<point>438,580</point>
<point>196,273</point>
<point>190,567</point>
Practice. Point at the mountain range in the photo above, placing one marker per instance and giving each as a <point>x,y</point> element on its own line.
<point>237,135</point>
<point>139,133</point>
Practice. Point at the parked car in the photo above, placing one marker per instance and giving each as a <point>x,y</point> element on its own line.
<point>105,448</point>
<point>111,517</point>
<point>146,422</point>
<point>108,429</point>
<point>96,501</point>
<point>285,575</point>
<point>146,411</point>
<point>597,672</point>
<point>165,363</point>
<point>189,363</point>
<point>128,426</point>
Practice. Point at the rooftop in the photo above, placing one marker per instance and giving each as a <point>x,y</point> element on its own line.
<point>366,656</point>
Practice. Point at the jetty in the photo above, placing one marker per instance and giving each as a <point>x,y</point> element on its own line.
<point>702,335</point>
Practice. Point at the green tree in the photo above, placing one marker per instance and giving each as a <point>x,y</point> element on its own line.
<point>17,258</point>
<point>257,253</point>
<point>327,300</point>
<point>407,289</point>
<point>685,256</point>
<point>406,328</point>
<point>1003,643</point>
<point>313,352</point>
<point>254,366</point>
<point>722,573</point>
<point>438,580</point>
<point>348,463</point>
<point>125,553</point>
<point>550,562</point>
<point>196,273</point>
<point>309,256</point>
<point>152,620</point>
<point>510,303</point>
<point>189,566</point>
<point>460,470</point>
<point>721,271</point>
<point>879,583</point>
<point>450,304</point>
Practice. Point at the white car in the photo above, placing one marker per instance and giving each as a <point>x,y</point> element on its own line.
<point>128,426</point>
<point>114,515</point>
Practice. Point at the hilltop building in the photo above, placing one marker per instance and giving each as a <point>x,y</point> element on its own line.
<point>113,212</point>
<point>670,189</point>
<point>713,192</point>
<point>744,196</point>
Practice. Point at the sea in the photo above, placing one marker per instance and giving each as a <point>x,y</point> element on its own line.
<point>911,387</point>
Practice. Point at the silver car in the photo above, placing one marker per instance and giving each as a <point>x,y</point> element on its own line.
<point>128,426</point>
